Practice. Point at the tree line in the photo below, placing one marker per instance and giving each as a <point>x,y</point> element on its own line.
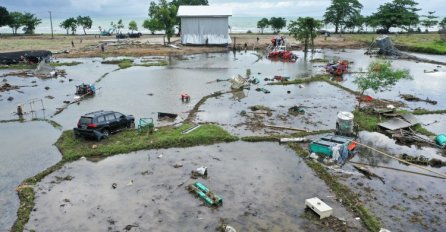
<point>16,20</point>
<point>345,15</point>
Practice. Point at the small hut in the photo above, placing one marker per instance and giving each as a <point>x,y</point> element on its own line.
<point>204,25</point>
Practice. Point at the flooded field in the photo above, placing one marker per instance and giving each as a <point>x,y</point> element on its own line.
<point>403,201</point>
<point>425,84</point>
<point>25,150</point>
<point>263,185</point>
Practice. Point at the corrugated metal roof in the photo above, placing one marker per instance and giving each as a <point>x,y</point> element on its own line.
<point>203,11</point>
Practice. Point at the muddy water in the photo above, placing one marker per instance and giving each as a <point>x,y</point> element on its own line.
<point>263,185</point>
<point>320,101</point>
<point>423,85</point>
<point>25,150</point>
<point>405,202</point>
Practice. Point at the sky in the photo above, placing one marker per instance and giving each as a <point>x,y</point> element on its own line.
<point>139,8</point>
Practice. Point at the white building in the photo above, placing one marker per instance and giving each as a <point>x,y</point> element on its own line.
<point>201,25</point>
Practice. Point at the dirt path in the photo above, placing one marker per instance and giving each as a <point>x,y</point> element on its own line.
<point>90,45</point>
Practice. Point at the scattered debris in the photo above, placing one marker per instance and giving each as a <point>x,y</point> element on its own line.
<point>188,130</point>
<point>166,116</point>
<point>49,97</point>
<point>200,172</point>
<point>367,172</point>
<point>338,68</point>
<point>238,82</point>
<point>262,90</point>
<point>296,110</point>
<point>10,98</point>
<point>401,122</point>
<point>319,207</point>
<point>293,140</point>
<point>47,88</point>
<point>410,97</point>
<point>7,87</point>
<point>421,160</point>
<point>178,165</point>
<point>114,186</point>
<point>205,194</point>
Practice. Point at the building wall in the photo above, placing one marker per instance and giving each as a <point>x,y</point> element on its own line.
<point>196,30</point>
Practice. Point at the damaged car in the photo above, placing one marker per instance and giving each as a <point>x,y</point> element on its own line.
<point>100,124</point>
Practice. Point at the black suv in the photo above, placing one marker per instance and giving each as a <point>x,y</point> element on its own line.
<point>100,124</point>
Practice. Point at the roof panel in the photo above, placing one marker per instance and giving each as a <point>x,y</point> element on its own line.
<point>202,11</point>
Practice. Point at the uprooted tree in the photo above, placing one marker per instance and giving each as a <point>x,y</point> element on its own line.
<point>380,77</point>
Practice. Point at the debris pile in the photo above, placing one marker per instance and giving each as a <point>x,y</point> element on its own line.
<point>410,97</point>
<point>7,87</point>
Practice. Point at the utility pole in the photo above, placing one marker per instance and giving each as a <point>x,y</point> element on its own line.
<point>51,21</point>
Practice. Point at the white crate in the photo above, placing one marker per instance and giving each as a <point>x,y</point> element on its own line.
<point>318,206</point>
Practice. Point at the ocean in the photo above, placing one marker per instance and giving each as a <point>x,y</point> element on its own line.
<point>237,25</point>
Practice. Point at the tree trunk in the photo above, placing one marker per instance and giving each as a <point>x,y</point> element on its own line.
<point>83,28</point>
<point>336,28</point>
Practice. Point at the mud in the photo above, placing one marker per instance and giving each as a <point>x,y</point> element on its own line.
<point>407,201</point>
<point>263,185</point>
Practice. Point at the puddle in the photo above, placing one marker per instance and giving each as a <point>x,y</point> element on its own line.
<point>24,152</point>
<point>406,202</point>
<point>263,185</point>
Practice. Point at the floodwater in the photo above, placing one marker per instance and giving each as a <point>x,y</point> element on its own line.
<point>320,101</point>
<point>144,91</point>
<point>424,85</point>
<point>406,201</point>
<point>264,187</point>
<point>25,150</point>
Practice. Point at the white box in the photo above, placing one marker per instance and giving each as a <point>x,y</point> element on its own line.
<point>319,207</point>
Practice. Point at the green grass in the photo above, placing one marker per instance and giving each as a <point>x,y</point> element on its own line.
<point>157,63</point>
<point>26,196</point>
<point>73,63</point>
<point>300,80</point>
<point>425,43</point>
<point>125,64</point>
<point>19,66</point>
<point>421,130</point>
<point>128,141</point>
<point>424,111</point>
<point>349,198</point>
<point>368,122</point>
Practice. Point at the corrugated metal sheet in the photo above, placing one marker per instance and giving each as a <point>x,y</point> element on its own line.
<point>204,30</point>
<point>204,11</point>
<point>406,120</point>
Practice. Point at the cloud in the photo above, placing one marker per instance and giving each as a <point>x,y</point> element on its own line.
<point>139,8</point>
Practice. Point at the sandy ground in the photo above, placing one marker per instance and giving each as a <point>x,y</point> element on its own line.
<point>89,45</point>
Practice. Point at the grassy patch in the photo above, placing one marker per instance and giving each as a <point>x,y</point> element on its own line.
<point>425,43</point>
<point>421,130</point>
<point>300,81</point>
<point>366,121</point>
<point>157,63</point>
<point>349,198</point>
<point>424,111</point>
<point>130,140</point>
<point>26,196</point>
<point>194,111</point>
<point>19,66</point>
<point>125,64</point>
<point>73,63</point>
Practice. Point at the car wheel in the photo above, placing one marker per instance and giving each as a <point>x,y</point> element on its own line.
<point>131,124</point>
<point>106,133</point>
